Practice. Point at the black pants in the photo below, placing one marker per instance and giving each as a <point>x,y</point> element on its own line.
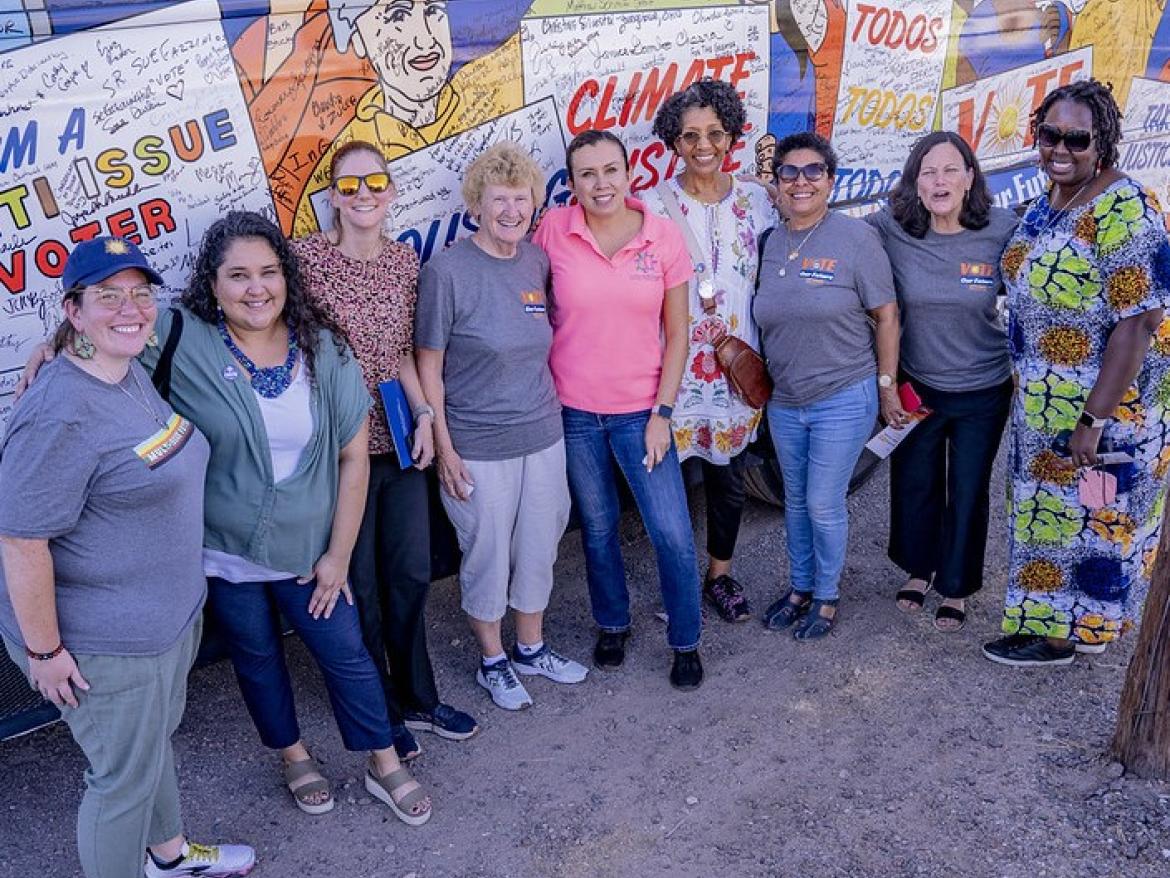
<point>389,574</point>
<point>939,479</point>
<point>723,487</point>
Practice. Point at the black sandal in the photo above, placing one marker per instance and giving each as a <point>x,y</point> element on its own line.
<point>950,614</point>
<point>784,613</point>
<point>914,596</point>
<point>815,626</point>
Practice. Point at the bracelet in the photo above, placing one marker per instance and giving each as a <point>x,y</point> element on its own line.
<point>419,410</point>
<point>44,656</point>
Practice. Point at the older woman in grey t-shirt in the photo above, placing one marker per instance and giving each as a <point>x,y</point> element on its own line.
<point>101,520</point>
<point>944,240</point>
<point>824,279</point>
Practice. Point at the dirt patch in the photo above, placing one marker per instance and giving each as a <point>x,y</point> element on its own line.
<point>890,750</point>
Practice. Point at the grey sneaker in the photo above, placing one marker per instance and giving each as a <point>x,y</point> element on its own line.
<point>548,663</point>
<point>204,860</point>
<point>501,683</point>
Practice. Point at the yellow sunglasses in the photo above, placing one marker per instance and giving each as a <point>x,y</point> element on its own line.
<point>350,185</point>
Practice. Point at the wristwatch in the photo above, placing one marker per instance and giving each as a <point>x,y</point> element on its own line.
<point>885,380</point>
<point>419,410</point>
<point>1087,420</point>
<point>663,411</point>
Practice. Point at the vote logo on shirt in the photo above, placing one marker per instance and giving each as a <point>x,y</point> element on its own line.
<point>976,274</point>
<point>817,269</point>
<point>533,301</point>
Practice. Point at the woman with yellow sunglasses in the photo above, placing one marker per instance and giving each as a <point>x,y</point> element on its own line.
<point>367,283</point>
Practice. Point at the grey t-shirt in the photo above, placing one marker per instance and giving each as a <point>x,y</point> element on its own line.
<point>120,501</point>
<point>814,329</point>
<point>490,316</point>
<point>952,335</point>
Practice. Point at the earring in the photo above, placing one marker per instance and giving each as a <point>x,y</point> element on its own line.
<point>83,347</point>
<point>152,339</point>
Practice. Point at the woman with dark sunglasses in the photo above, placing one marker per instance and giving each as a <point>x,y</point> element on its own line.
<point>1088,277</point>
<point>944,240</point>
<point>368,284</point>
<point>722,218</point>
<point>824,278</point>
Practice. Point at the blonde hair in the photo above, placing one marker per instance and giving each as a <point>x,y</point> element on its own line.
<point>505,164</point>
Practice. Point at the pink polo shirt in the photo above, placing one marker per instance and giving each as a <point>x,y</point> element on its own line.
<point>607,346</point>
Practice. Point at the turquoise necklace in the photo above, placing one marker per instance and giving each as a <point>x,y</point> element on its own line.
<point>269,382</point>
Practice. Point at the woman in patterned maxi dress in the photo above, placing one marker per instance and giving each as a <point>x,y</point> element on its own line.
<point>1088,276</point>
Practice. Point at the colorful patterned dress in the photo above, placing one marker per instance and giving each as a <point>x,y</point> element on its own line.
<point>1071,276</point>
<point>710,421</point>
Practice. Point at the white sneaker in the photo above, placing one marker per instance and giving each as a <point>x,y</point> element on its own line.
<point>501,683</point>
<point>206,861</point>
<point>548,663</point>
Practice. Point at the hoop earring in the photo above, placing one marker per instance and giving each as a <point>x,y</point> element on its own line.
<point>82,347</point>
<point>152,339</point>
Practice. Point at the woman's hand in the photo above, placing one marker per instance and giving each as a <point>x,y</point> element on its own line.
<point>55,678</point>
<point>331,574</point>
<point>1082,446</point>
<point>453,475</point>
<point>37,357</point>
<point>891,407</point>
<point>422,450</point>
<point>657,441</point>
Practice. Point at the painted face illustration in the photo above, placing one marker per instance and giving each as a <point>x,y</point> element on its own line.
<point>408,42</point>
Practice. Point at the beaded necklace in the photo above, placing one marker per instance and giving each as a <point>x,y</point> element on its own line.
<point>271,381</point>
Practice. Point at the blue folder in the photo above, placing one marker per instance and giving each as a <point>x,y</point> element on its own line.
<point>398,419</point>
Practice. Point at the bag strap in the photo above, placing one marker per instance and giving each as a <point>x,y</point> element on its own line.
<point>162,370</point>
<point>760,254</point>
<point>702,269</point>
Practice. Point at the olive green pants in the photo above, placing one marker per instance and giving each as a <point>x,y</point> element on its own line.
<point>123,725</point>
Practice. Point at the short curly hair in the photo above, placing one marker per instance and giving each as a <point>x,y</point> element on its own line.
<point>505,164</point>
<point>707,92</point>
<point>301,313</point>
<point>805,140</point>
<point>1098,97</point>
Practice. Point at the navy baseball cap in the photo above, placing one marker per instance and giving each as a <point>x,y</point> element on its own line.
<point>94,260</point>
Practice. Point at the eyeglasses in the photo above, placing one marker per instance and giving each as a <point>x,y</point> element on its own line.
<point>113,298</point>
<point>350,185</point>
<point>812,172</point>
<point>1075,139</point>
<point>716,138</point>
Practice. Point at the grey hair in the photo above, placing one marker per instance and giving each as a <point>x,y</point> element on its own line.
<point>343,16</point>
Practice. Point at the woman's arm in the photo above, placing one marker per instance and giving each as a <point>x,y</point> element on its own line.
<point>28,570</point>
<point>423,451</point>
<point>886,332</point>
<point>674,361</point>
<point>453,475</point>
<point>1124,354</point>
<point>332,568</point>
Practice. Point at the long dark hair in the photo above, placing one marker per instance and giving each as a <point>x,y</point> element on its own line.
<point>592,137</point>
<point>908,208</point>
<point>302,315</point>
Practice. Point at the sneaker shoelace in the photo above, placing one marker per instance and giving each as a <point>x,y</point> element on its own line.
<point>506,675</point>
<point>201,853</point>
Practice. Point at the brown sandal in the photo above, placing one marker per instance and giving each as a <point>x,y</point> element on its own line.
<point>383,788</point>
<point>305,783</point>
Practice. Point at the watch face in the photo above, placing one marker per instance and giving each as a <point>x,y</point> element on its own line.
<point>885,381</point>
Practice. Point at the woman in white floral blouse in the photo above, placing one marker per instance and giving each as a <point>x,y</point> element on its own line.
<point>726,217</point>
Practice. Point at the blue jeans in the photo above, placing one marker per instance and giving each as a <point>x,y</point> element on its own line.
<point>592,444</point>
<point>818,446</point>
<point>246,612</point>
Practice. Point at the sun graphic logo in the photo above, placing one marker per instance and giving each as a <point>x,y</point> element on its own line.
<point>1007,126</point>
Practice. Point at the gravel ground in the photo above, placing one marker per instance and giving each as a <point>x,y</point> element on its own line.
<point>890,750</point>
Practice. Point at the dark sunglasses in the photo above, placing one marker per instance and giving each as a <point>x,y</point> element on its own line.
<point>351,185</point>
<point>1075,139</point>
<point>812,172</point>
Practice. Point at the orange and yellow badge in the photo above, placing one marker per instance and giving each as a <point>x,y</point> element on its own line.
<point>117,247</point>
<point>533,301</point>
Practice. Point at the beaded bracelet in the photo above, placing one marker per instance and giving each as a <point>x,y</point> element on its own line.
<point>45,656</point>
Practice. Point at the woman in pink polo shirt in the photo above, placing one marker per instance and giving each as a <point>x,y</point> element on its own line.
<point>619,316</point>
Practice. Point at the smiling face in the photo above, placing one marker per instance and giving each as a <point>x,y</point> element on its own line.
<point>365,209</point>
<point>599,178</point>
<point>943,182</point>
<point>505,215</point>
<point>802,200</point>
<point>118,334</point>
<point>1067,169</point>
<point>703,142</point>
<point>408,42</point>
<point>249,285</point>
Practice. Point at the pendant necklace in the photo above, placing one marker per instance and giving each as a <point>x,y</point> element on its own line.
<point>271,381</point>
<point>1054,214</point>
<point>141,399</point>
<point>795,251</point>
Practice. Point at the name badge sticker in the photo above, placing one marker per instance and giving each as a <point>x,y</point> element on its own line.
<point>817,269</point>
<point>977,274</point>
<point>533,301</point>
